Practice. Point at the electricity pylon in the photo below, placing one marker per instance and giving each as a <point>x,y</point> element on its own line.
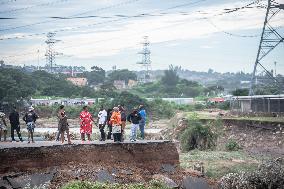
<point>270,39</point>
<point>146,60</point>
<point>50,52</point>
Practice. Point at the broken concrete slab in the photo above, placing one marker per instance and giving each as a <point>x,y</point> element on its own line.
<point>168,168</point>
<point>104,176</point>
<point>195,183</point>
<point>165,180</point>
<point>31,181</point>
<point>126,172</point>
<point>5,185</point>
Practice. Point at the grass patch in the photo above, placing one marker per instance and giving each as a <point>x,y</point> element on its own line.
<point>95,185</point>
<point>205,116</point>
<point>264,119</point>
<point>219,163</point>
<point>232,145</point>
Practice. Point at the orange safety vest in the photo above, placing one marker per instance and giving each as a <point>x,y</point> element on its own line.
<point>115,118</point>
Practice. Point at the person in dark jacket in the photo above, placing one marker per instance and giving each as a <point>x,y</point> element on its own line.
<point>15,124</point>
<point>123,121</point>
<point>30,119</point>
<point>134,118</point>
<point>109,134</point>
<point>63,125</point>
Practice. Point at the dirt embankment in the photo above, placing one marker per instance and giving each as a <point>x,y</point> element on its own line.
<point>150,155</point>
<point>258,138</point>
<point>103,162</point>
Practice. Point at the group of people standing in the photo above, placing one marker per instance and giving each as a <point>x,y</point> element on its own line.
<point>30,118</point>
<point>114,119</point>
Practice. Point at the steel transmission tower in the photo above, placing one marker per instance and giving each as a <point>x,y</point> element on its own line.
<point>270,39</point>
<point>146,60</point>
<point>50,52</point>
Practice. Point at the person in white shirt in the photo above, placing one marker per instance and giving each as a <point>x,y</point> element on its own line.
<point>102,118</point>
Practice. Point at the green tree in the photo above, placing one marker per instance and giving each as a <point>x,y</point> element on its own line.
<point>214,89</point>
<point>14,85</point>
<point>241,92</point>
<point>123,74</point>
<point>129,100</point>
<point>96,76</point>
<point>170,77</point>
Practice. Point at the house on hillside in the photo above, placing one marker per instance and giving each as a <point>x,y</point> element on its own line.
<point>119,84</point>
<point>216,100</point>
<point>78,81</point>
<point>131,83</point>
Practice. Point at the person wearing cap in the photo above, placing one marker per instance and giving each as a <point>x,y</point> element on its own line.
<point>115,121</point>
<point>86,124</point>
<point>142,122</point>
<point>15,124</point>
<point>3,126</point>
<point>134,117</point>
<point>30,118</point>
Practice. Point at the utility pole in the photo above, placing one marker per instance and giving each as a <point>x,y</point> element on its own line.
<point>270,39</point>
<point>275,74</point>
<point>146,60</point>
<point>38,59</point>
<point>50,52</point>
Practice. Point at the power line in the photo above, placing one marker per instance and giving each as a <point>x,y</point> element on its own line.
<point>33,6</point>
<point>95,10</point>
<point>76,16</point>
<point>120,37</point>
<point>7,2</point>
<point>99,23</point>
<point>229,33</point>
<point>111,38</point>
<point>117,37</point>
<point>6,18</point>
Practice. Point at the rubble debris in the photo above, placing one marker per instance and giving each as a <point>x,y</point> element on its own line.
<point>270,174</point>
<point>195,183</point>
<point>166,181</point>
<point>104,176</point>
<point>35,180</point>
<point>168,168</point>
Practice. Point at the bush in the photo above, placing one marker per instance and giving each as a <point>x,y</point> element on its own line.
<point>95,185</point>
<point>129,100</point>
<point>199,106</point>
<point>185,107</point>
<point>198,135</point>
<point>156,109</point>
<point>232,145</point>
<point>71,111</point>
<point>270,174</point>
<point>161,109</point>
<point>223,105</point>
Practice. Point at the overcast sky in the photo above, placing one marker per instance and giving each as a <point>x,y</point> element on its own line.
<point>187,33</point>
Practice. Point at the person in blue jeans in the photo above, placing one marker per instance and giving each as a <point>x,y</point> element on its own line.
<point>134,118</point>
<point>142,122</point>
